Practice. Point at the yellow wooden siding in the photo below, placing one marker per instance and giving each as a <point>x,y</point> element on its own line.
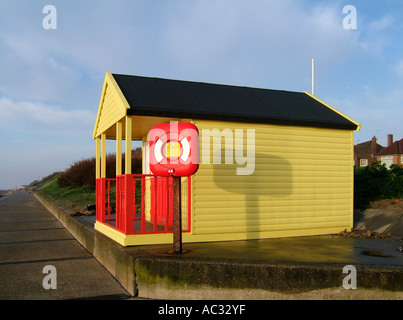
<point>184,202</point>
<point>112,107</point>
<point>303,179</point>
<point>110,112</point>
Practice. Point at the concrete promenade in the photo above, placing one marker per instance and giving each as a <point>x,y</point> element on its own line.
<point>31,238</point>
<point>286,268</point>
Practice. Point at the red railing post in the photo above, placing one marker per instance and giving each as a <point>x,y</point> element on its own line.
<point>121,192</point>
<point>128,214</point>
<point>134,181</point>
<point>109,199</point>
<point>118,196</point>
<point>143,218</point>
<point>119,202</point>
<point>155,203</point>
<point>100,199</point>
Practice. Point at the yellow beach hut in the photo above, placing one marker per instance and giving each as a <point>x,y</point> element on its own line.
<point>272,163</point>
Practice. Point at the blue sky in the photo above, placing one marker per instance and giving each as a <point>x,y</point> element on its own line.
<point>51,80</point>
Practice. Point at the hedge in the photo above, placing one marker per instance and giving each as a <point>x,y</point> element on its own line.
<point>376,182</point>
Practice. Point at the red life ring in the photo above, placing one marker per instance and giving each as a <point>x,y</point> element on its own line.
<point>174,149</point>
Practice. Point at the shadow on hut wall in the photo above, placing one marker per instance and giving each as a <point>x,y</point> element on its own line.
<point>271,180</point>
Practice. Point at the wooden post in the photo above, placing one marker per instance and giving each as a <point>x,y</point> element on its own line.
<point>177,215</point>
<point>119,148</point>
<point>103,155</point>
<point>128,145</point>
<point>98,158</point>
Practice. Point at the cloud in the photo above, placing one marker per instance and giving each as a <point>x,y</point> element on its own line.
<point>378,114</point>
<point>36,68</point>
<point>239,42</point>
<point>381,24</point>
<point>377,35</point>
<point>399,68</point>
<point>56,65</point>
<point>39,138</point>
<point>24,163</point>
<point>28,116</point>
<point>264,44</point>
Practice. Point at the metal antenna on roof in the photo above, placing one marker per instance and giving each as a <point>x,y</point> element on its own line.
<point>313,76</point>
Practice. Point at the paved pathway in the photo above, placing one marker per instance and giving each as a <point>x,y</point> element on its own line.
<point>31,238</point>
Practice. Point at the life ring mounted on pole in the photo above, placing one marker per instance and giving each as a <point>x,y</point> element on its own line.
<point>174,149</point>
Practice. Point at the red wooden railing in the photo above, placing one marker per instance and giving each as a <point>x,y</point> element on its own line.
<point>120,203</point>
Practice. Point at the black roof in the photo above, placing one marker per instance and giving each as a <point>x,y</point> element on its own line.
<point>196,100</point>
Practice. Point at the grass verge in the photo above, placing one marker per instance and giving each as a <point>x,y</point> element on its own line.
<point>69,198</point>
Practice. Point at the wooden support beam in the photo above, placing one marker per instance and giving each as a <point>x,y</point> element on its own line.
<point>119,129</point>
<point>103,155</point>
<point>128,145</point>
<point>97,158</point>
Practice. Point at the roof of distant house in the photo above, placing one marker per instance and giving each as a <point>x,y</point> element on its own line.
<point>364,150</point>
<point>395,148</point>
